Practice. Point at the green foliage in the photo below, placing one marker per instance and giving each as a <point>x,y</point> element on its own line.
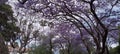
<point>8,29</point>
<point>115,50</point>
<point>6,9</point>
<point>41,49</point>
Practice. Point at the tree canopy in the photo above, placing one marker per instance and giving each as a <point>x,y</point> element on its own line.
<point>72,26</point>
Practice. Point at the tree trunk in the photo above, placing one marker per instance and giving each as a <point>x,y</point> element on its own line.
<point>51,46</point>
<point>107,50</point>
<point>3,46</point>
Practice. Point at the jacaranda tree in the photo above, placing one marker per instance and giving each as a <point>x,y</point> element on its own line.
<point>96,20</point>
